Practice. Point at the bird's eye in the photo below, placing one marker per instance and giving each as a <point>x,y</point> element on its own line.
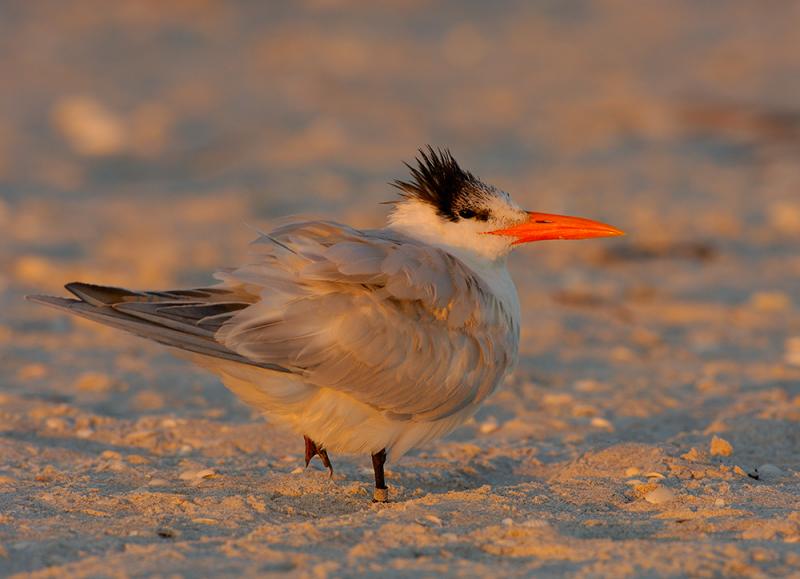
<point>466,213</point>
<point>481,215</point>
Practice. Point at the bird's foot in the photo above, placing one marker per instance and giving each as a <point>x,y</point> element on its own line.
<point>380,493</point>
<point>313,449</point>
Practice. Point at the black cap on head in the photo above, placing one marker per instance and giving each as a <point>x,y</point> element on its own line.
<point>439,181</point>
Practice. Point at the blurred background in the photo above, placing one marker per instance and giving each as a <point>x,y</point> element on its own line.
<point>141,141</point>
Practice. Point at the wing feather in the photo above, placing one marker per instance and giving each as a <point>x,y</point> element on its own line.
<point>394,323</point>
<point>143,314</point>
<point>398,325</point>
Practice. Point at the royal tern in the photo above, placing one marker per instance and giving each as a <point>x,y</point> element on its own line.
<point>361,341</point>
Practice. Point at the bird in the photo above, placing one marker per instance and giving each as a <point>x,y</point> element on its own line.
<point>370,341</point>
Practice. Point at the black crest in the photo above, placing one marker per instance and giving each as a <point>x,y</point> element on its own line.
<point>439,181</point>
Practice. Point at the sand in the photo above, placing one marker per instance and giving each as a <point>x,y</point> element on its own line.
<point>653,425</point>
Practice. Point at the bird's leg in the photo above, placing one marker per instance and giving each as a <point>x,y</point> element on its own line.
<point>326,462</point>
<point>313,449</point>
<point>381,492</point>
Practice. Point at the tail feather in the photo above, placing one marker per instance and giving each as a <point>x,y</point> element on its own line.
<point>183,319</point>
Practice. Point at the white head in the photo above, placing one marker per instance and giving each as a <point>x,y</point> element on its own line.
<point>450,208</point>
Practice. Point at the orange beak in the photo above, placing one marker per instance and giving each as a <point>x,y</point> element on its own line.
<point>542,226</point>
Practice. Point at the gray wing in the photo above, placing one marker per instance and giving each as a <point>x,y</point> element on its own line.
<point>400,326</point>
<point>183,319</point>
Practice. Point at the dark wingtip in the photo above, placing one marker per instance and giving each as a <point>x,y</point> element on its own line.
<point>83,291</point>
<point>98,295</point>
<point>74,287</point>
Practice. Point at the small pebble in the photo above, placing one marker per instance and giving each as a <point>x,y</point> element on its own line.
<point>603,423</point>
<point>47,474</point>
<point>720,447</point>
<point>657,475</point>
<point>434,519</point>
<point>719,503</point>
<point>84,432</point>
<point>693,455</point>
<point>489,425</point>
<point>197,474</point>
<point>113,465</point>
<point>298,470</point>
<point>508,522</point>
<point>659,496</point>
<point>138,435</point>
<point>632,471</point>
<point>767,472</point>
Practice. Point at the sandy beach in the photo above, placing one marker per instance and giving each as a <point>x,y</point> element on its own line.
<point>652,428</point>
